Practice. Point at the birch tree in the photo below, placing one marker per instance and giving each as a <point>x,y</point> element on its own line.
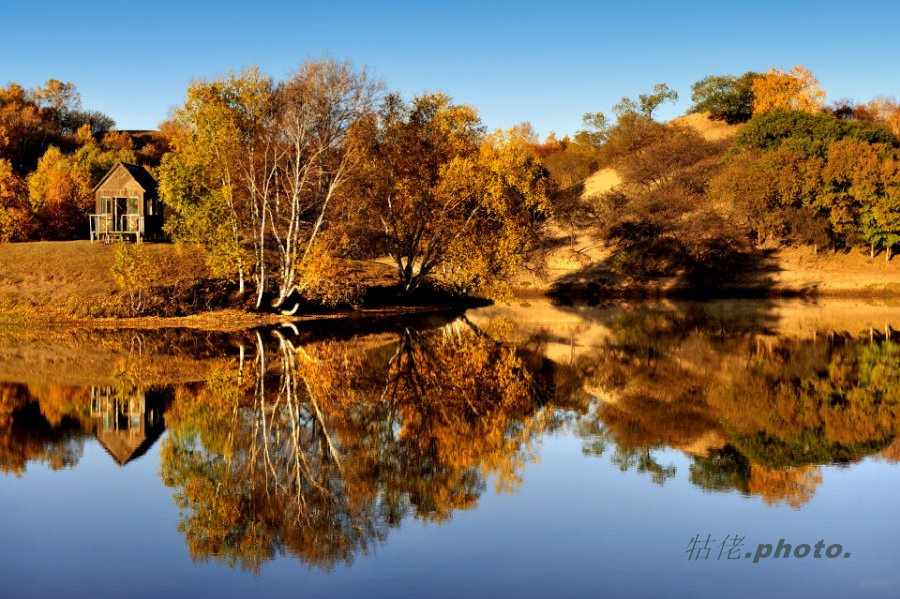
<point>256,166</point>
<point>317,107</point>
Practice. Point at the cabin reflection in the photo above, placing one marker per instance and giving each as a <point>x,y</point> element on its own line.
<point>127,422</point>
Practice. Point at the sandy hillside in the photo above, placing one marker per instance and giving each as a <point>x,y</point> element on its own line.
<point>600,182</point>
<point>705,126</point>
<point>787,271</point>
<point>827,273</point>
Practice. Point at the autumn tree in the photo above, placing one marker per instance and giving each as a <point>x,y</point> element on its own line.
<point>201,179</point>
<point>765,190</point>
<point>881,109</point>
<point>596,131</point>
<point>98,158</point>
<point>256,166</point>
<point>797,89</point>
<point>15,214</point>
<point>33,120</point>
<point>449,202</point>
<point>812,178</point>
<point>318,106</point>
<point>25,133</point>
<point>60,194</point>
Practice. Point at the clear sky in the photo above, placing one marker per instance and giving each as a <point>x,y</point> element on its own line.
<point>544,62</point>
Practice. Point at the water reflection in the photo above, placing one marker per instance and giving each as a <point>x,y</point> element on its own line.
<point>316,443</point>
<point>319,449</point>
<point>757,412</point>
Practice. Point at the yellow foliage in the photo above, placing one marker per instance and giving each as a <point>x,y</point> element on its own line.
<point>793,486</point>
<point>797,89</point>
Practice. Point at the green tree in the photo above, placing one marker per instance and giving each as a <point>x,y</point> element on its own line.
<point>725,97</point>
<point>650,102</point>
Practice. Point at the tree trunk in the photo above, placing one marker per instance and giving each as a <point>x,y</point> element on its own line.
<point>406,276</point>
<point>872,251</point>
<point>887,253</point>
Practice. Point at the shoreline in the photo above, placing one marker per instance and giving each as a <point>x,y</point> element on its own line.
<point>225,320</point>
<point>234,320</point>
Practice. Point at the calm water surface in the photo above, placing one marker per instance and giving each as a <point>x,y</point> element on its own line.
<point>515,450</point>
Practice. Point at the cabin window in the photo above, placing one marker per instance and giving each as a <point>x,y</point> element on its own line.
<point>132,205</point>
<point>105,205</point>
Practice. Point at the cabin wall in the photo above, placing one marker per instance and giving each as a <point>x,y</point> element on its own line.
<point>128,190</point>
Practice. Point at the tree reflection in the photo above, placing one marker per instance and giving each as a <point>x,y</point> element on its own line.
<point>49,423</point>
<point>756,413</point>
<point>318,449</point>
<point>36,425</point>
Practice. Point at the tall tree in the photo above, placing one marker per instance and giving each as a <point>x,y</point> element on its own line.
<point>60,194</point>
<point>318,104</point>
<point>15,216</point>
<point>269,160</point>
<point>432,183</point>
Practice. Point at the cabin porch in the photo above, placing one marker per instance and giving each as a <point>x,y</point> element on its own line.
<point>109,228</point>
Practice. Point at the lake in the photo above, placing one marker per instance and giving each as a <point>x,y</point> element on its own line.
<point>625,450</point>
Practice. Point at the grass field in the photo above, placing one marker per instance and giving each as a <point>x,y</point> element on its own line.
<point>72,278</point>
<point>52,281</point>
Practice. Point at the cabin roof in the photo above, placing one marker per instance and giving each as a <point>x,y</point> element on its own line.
<point>139,174</point>
<point>125,447</point>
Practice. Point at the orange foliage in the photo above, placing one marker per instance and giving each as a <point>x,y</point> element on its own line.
<point>15,218</point>
<point>793,486</point>
<point>797,89</point>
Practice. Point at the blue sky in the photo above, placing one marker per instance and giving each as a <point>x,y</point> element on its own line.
<point>544,62</point>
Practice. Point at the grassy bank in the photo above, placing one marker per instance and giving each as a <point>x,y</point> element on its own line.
<point>71,283</point>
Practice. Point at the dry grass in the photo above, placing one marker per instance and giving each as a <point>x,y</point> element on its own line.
<point>844,273</point>
<point>69,284</point>
<point>71,278</point>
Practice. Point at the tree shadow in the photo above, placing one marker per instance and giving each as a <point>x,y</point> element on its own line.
<point>648,264</point>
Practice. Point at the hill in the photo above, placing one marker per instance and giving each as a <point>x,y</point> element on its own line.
<point>579,263</point>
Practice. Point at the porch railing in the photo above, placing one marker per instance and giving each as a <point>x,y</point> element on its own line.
<point>106,227</point>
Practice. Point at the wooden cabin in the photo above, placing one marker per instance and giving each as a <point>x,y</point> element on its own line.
<point>127,206</point>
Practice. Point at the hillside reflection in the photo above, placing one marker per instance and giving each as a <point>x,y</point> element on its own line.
<point>756,412</point>
<point>315,442</point>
